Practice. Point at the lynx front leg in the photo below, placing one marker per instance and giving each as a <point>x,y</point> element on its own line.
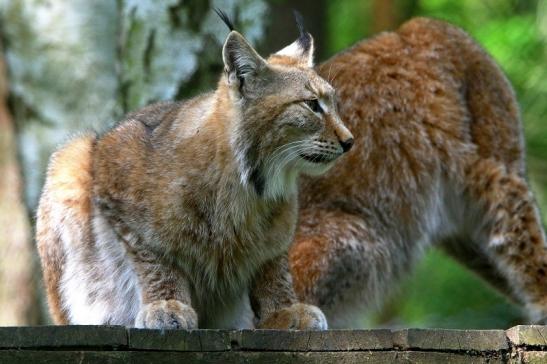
<point>511,233</point>
<point>274,301</point>
<point>166,301</point>
<point>340,263</point>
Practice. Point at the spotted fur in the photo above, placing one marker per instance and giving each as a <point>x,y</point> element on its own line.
<point>181,216</point>
<point>438,160</point>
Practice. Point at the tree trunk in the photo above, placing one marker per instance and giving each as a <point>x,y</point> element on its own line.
<point>17,287</point>
<point>76,65</point>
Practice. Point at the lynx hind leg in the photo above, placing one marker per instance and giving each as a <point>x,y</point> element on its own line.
<point>511,233</point>
<point>339,265</point>
<point>52,259</point>
<point>64,207</point>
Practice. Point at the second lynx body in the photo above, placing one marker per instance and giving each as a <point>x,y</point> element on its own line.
<point>439,159</point>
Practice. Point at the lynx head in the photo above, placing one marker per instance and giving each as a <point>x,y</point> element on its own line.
<point>287,117</point>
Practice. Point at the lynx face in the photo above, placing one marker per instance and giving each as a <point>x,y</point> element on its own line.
<point>310,132</point>
<point>289,121</point>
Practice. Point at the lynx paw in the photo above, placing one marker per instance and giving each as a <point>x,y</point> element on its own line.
<point>170,314</point>
<point>296,317</point>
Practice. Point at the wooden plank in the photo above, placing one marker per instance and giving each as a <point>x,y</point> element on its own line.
<point>332,340</point>
<point>63,336</point>
<point>179,340</point>
<point>533,335</point>
<point>534,357</point>
<point>166,357</point>
<point>64,357</point>
<point>116,344</point>
<point>459,340</point>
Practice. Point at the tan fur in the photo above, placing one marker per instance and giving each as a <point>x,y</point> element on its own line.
<point>66,198</point>
<point>181,215</point>
<point>438,159</point>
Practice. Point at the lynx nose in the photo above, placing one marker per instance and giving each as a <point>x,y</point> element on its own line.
<point>346,144</point>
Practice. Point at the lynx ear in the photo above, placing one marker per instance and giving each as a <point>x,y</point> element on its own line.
<point>302,48</point>
<point>240,59</point>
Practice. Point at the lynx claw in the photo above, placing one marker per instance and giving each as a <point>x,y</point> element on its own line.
<point>167,314</point>
<point>299,316</point>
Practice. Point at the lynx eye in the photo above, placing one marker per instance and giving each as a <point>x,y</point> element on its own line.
<point>314,105</point>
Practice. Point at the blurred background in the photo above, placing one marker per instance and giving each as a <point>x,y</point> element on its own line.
<point>72,65</point>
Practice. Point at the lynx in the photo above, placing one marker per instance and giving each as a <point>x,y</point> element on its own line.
<point>181,215</point>
<point>438,160</point>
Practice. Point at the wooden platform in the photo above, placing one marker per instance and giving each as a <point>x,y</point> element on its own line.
<point>114,344</point>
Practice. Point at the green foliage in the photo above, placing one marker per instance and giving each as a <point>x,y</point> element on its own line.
<point>515,34</point>
<point>440,292</point>
<point>347,23</point>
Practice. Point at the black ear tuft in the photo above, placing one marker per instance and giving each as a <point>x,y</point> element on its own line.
<point>225,18</point>
<point>305,39</point>
<point>240,59</point>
